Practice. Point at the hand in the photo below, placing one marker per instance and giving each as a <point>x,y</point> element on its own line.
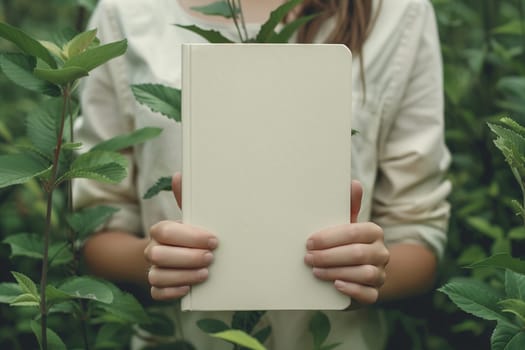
<point>179,255</point>
<point>352,255</point>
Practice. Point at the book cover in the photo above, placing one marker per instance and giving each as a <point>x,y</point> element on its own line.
<point>266,163</point>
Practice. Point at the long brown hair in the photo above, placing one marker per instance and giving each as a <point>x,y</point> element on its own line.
<point>354,20</point>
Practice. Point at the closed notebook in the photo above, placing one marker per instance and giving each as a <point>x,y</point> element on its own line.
<point>266,163</point>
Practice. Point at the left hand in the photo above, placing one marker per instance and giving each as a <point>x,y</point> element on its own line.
<point>353,255</point>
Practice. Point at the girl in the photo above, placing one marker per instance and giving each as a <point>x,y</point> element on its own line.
<point>391,247</point>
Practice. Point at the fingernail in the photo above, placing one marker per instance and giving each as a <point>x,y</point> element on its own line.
<point>309,258</point>
<point>340,285</point>
<point>310,244</point>
<point>212,243</point>
<point>317,271</point>
<point>208,257</point>
<point>203,274</point>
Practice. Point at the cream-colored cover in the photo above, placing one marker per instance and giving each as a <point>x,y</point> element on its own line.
<point>266,163</point>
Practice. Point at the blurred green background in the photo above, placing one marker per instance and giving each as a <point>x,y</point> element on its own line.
<point>483,45</point>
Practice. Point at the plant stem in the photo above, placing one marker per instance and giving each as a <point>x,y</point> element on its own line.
<point>84,324</point>
<point>50,190</point>
<point>233,10</point>
<point>243,21</point>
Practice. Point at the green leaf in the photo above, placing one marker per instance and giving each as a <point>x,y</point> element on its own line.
<point>87,220</point>
<point>472,254</point>
<point>474,297</point>
<point>125,308</point>
<point>331,346</point>
<point>55,295</point>
<point>263,334</point>
<point>25,43</point>
<point>32,246</point>
<point>61,76</point>
<point>319,327</point>
<point>511,123</point>
<point>218,8</point>
<point>246,320</point>
<point>162,184</point>
<point>517,233</point>
<point>514,285</point>
<point>53,49</point>
<point>161,325</point>
<point>515,307</point>
<point>513,27</point>
<point>53,340</point>
<point>26,284</point>
<point>111,336</point>
<point>98,165</point>
<point>8,292</point>
<point>26,299</point>
<point>289,29</point>
<point>80,43</point>
<point>85,287</point>
<point>159,98</point>
<point>276,17</point>
<point>211,325</point>
<point>484,227</point>
<point>504,335</point>
<point>92,58</point>
<point>212,36</point>
<point>19,69</point>
<point>42,126</point>
<point>503,260</point>
<point>238,337</point>
<point>19,168</point>
<point>121,142</point>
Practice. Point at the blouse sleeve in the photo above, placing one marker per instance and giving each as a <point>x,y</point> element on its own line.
<point>107,112</point>
<point>410,197</point>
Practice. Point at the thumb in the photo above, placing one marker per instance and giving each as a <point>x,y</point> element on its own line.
<point>176,187</point>
<point>356,195</point>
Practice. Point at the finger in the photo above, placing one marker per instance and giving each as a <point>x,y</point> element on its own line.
<point>355,199</point>
<point>182,235</point>
<point>368,275</point>
<point>169,293</point>
<point>362,294</point>
<point>349,255</point>
<point>366,232</point>
<point>178,257</point>
<point>162,278</point>
<point>176,187</point>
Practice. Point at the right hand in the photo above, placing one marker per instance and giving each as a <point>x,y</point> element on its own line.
<point>179,254</point>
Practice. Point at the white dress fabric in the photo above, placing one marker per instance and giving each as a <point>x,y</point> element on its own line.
<point>399,154</point>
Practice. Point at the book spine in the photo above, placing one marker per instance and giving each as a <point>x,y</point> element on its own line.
<point>186,302</point>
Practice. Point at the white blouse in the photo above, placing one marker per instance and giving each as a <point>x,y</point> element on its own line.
<point>399,154</point>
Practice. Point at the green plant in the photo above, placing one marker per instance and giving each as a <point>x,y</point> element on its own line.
<point>53,69</point>
<point>501,298</point>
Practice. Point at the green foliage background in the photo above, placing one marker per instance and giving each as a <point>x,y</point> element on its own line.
<point>483,44</point>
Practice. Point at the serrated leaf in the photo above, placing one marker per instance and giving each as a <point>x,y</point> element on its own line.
<point>53,340</point>
<point>211,325</point>
<point>162,184</point>
<point>476,298</point>
<point>98,165</point>
<point>25,299</point>
<point>319,326</point>
<point>19,168</point>
<point>32,246</point>
<point>87,220</point>
<point>289,29</point>
<point>26,43</point>
<point>238,337</point>
<point>159,98</point>
<point>8,292</point>
<point>502,260</point>
<point>26,284</point>
<point>80,43</point>
<point>503,335</point>
<point>55,295</point>
<point>276,17</point>
<point>85,287</point>
<point>213,36</point>
<point>61,76</point>
<point>512,124</point>
<point>217,8</point>
<point>42,126</point>
<point>121,142</point>
<point>19,69</point>
<point>92,58</point>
